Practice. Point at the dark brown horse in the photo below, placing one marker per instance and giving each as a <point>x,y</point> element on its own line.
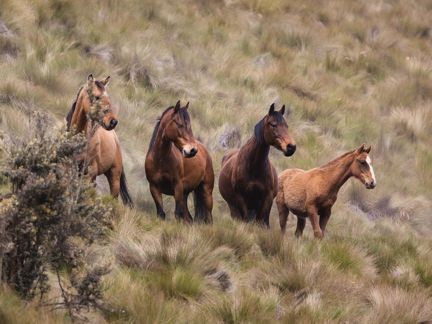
<point>248,181</point>
<point>176,164</point>
<point>311,194</point>
<point>92,114</point>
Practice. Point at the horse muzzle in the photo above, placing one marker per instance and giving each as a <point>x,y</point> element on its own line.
<point>290,149</point>
<point>370,184</point>
<point>189,151</point>
<point>111,125</point>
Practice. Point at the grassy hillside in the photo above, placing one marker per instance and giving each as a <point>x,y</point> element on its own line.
<point>352,72</point>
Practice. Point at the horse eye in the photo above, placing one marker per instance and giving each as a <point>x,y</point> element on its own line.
<point>106,111</point>
<point>97,97</point>
<point>273,125</point>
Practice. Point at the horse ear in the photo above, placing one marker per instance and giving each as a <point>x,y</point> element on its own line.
<point>271,109</point>
<point>368,149</point>
<point>106,81</point>
<point>187,106</point>
<point>361,149</point>
<point>282,110</point>
<point>177,106</point>
<point>90,79</point>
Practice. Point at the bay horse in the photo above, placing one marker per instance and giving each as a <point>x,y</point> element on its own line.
<point>177,164</point>
<point>92,114</point>
<point>313,193</point>
<point>248,180</point>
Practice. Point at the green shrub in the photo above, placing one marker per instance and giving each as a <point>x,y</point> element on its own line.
<point>53,214</point>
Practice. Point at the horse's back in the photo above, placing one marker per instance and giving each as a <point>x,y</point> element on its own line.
<point>289,174</point>
<point>228,155</point>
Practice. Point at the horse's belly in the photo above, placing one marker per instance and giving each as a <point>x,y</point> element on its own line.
<point>295,201</point>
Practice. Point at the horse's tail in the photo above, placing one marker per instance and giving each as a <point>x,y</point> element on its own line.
<point>200,208</point>
<point>124,193</point>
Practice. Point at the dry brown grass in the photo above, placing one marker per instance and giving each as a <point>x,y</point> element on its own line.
<point>351,72</point>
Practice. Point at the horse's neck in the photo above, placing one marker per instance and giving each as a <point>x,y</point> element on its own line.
<point>161,146</point>
<point>339,173</point>
<point>255,154</point>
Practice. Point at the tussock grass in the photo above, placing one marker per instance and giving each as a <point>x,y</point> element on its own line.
<point>13,310</point>
<point>351,72</point>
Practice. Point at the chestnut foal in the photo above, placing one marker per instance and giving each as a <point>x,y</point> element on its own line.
<point>313,193</point>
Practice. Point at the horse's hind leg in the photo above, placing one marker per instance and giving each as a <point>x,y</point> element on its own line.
<point>157,198</point>
<point>301,223</point>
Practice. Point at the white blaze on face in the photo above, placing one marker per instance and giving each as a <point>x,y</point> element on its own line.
<point>368,160</point>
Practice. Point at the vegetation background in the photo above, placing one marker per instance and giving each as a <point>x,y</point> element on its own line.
<point>352,72</point>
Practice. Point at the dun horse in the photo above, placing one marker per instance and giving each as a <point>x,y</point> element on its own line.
<point>248,181</point>
<point>176,164</point>
<point>92,114</point>
<point>313,193</point>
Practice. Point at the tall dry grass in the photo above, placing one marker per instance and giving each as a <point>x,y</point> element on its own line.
<point>350,71</point>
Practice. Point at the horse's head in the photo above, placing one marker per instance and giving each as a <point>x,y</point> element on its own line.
<point>179,131</point>
<point>275,131</point>
<point>97,104</point>
<point>362,167</point>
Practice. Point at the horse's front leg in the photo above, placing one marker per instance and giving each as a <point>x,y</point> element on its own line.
<point>301,223</point>
<point>157,198</point>
<point>283,212</point>
<point>314,219</point>
<point>93,170</point>
<point>185,202</point>
<point>324,218</point>
<point>181,211</point>
<point>242,207</point>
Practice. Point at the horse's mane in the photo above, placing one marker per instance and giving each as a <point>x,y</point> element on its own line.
<point>72,110</point>
<point>258,131</point>
<point>184,115</point>
<point>337,160</point>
